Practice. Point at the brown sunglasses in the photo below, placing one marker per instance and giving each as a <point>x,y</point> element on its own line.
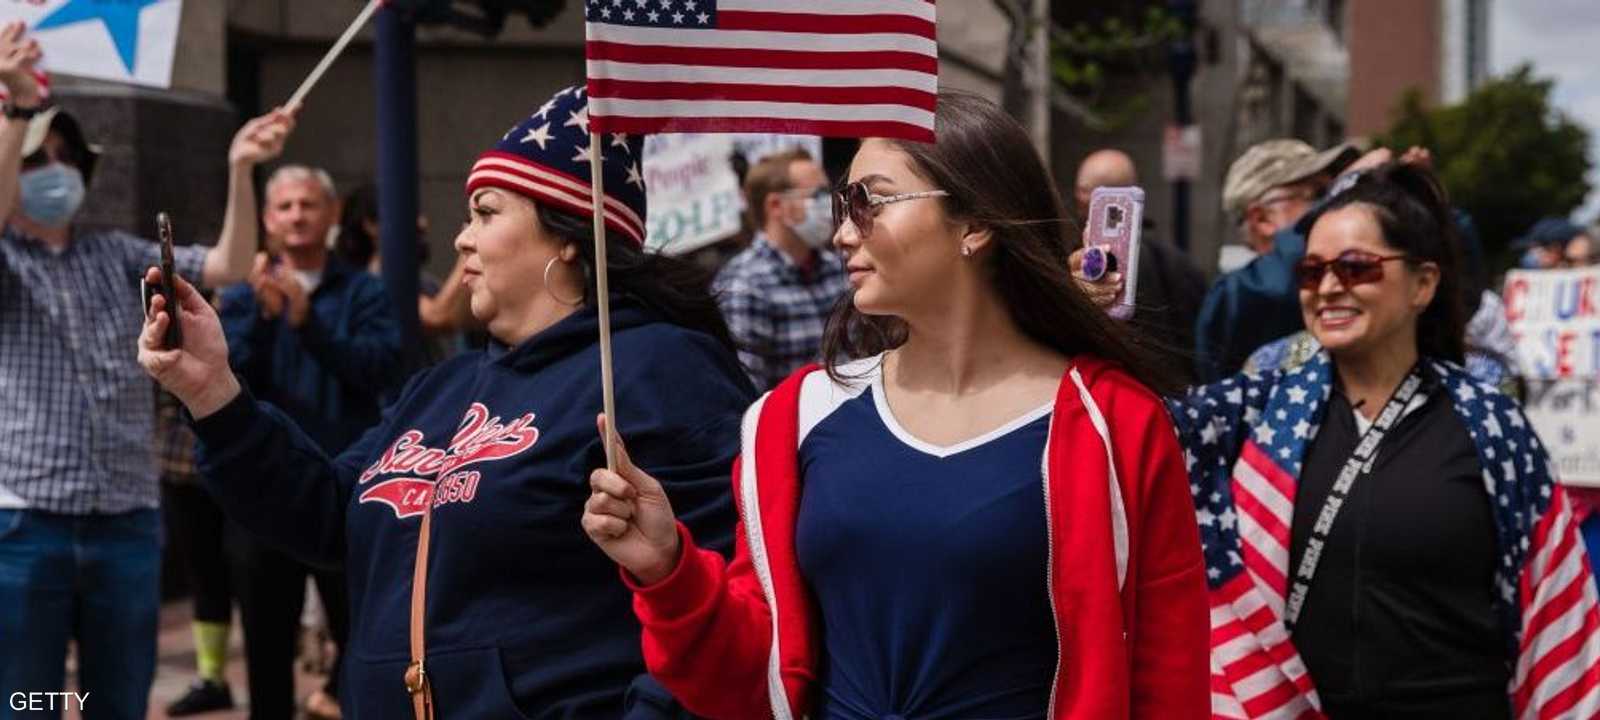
<point>855,202</point>
<point>1352,267</point>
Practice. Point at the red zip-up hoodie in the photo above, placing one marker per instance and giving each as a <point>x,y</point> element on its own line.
<point>739,640</point>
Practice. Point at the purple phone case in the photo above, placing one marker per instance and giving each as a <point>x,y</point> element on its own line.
<point>1115,217</point>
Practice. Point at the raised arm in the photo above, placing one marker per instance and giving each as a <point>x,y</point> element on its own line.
<point>18,53</point>
<point>259,141</point>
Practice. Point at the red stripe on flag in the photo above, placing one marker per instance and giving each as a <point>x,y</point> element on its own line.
<point>820,23</point>
<point>781,126</point>
<point>1269,469</point>
<point>640,90</point>
<point>756,58</point>
<point>1562,703</point>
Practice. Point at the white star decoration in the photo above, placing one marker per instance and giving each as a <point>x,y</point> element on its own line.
<point>654,16</point>
<point>579,119</point>
<point>633,176</point>
<point>703,18</point>
<point>582,155</point>
<point>547,107</point>
<point>621,140</point>
<point>627,15</point>
<point>539,135</point>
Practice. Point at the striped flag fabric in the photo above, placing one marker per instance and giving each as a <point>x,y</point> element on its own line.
<point>1244,504</point>
<point>839,68</point>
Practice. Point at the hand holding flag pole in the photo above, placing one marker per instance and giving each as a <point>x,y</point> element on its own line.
<point>333,53</point>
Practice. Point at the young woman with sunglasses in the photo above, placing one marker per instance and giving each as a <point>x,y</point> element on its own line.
<point>1384,536</point>
<point>981,513</point>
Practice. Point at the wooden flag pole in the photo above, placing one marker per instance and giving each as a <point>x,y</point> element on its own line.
<point>333,53</point>
<point>603,296</point>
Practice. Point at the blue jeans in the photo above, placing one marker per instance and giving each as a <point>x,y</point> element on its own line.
<point>92,578</point>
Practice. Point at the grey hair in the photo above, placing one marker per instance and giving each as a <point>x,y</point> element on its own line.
<point>302,173</point>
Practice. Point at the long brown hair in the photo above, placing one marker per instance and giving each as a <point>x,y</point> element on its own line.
<point>995,179</point>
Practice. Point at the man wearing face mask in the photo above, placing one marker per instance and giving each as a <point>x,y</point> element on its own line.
<point>79,526</point>
<point>778,293</point>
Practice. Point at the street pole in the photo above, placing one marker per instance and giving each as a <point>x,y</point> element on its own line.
<point>1181,58</point>
<point>1038,79</point>
<point>395,73</point>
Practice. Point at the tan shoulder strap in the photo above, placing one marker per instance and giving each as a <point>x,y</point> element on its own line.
<point>416,674</point>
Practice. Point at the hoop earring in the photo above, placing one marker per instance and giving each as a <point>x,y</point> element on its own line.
<point>547,289</point>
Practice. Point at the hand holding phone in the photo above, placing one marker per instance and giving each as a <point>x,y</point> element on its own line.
<point>1111,241</point>
<point>168,289</point>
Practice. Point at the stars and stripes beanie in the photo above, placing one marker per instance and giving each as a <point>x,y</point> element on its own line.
<point>545,158</point>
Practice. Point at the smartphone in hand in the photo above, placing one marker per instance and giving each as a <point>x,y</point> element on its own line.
<point>169,288</point>
<point>1115,217</point>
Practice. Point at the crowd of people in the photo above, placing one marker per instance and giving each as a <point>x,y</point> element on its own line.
<point>895,459</point>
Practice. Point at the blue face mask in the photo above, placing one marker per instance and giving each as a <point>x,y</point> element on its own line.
<point>1531,260</point>
<point>51,195</point>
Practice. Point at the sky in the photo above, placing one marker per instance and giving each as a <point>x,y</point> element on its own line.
<point>1562,40</point>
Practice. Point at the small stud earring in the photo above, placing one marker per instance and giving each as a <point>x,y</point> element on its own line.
<point>966,251</point>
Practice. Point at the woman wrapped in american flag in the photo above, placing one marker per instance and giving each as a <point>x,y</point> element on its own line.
<point>1384,535</point>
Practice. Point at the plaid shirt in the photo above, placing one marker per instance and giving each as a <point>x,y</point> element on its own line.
<point>76,416</point>
<point>776,311</point>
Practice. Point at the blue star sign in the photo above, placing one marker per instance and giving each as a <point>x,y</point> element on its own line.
<point>121,18</point>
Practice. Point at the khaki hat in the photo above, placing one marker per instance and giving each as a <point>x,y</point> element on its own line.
<point>1273,163</point>
<point>55,119</point>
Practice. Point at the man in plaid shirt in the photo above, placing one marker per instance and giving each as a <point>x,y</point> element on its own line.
<point>778,293</point>
<point>79,526</point>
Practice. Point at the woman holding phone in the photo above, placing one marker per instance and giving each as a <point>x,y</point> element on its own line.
<point>456,517</point>
<point>979,511</point>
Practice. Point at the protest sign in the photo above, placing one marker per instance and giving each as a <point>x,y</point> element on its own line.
<point>131,41</point>
<point>695,198</point>
<point>1555,318</point>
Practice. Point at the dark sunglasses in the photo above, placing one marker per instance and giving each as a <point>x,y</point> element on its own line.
<point>858,204</point>
<point>1352,267</point>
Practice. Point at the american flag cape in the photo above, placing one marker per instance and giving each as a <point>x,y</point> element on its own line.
<point>843,68</point>
<point>1244,440</point>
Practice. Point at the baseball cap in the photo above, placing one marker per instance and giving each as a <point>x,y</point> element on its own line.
<point>62,122</point>
<point>1272,163</point>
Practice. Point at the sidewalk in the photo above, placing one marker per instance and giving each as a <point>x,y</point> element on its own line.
<point>175,668</point>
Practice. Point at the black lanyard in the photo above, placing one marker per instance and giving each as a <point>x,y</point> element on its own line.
<point>1360,463</point>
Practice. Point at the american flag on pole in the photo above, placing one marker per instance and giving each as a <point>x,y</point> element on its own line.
<point>841,68</point>
<point>1244,441</point>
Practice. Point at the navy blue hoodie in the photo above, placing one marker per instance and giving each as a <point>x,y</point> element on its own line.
<point>525,616</point>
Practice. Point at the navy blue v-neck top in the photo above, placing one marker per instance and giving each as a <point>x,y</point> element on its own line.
<point>928,565</point>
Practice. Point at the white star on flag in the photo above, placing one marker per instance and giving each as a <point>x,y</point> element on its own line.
<point>540,135</point>
<point>583,156</point>
<point>633,176</point>
<point>579,119</point>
